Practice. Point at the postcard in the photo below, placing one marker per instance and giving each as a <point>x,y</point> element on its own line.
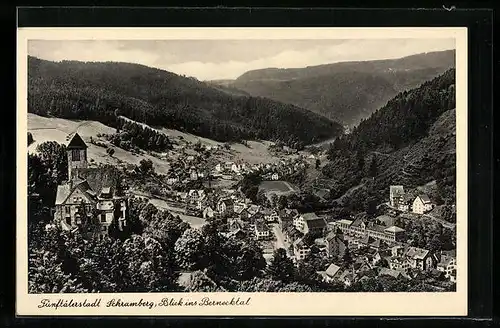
<point>242,171</point>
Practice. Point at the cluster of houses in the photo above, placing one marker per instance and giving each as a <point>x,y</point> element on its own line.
<point>184,169</point>
<point>370,252</point>
<point>270,171</point>
<point>378,243</point>
<point>405,202</point>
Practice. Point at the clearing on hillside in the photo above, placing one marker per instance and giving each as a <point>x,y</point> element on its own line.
<point>57,129</point>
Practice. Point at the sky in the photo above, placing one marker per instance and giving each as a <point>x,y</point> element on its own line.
<point>228,59</point>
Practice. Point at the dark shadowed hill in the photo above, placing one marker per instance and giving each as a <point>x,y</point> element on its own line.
<point>100,91</point>
<point>410,141</point>
<point>348,91</point>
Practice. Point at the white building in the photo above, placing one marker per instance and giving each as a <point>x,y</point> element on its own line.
<point>262,231</point>
<point>447,265</point>
<point>300,249</point>
<point>422,204</point>
<point>396,194</point>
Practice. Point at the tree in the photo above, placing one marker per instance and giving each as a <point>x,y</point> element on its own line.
<point>281,267</point>
<point>371,207</point>
<point>165,227</point>
<point>373,169</point>
<point>318,163</point>
<point>249,261</point>
<point>146,166</point>
<point>347,258</point>
<point>199,283</point>
<point>382,263</point>
<point>189,250</point>
<point>150,266</point>
<point>45,275</point>
<point>30,138</point>
<point>55,159</point>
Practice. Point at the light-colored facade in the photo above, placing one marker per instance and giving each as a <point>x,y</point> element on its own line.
<point>89,193</point>
<point>422,204</point>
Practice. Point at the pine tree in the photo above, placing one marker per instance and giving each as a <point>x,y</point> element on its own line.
<point>281,267</point>
<point>373,169</point>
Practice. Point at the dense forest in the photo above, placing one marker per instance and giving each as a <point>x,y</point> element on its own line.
<point>101,91</point>
<point>410,141</point>
<point>348,91</point>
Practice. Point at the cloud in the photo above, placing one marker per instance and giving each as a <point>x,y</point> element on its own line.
<point>228,59</point>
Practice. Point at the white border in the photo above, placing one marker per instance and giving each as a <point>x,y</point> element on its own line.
<point>262,304</point>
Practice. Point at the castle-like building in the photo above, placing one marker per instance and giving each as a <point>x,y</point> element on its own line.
<point>91,200</point>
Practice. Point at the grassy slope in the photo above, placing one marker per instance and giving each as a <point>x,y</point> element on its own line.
<point>57,129</point>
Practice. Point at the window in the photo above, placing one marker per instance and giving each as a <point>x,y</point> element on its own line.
<point>68,220</point>
<point>67,209</point>
<point>103,217</point>
<point>75,155</point>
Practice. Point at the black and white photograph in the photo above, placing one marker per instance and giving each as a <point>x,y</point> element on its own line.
<point>271,165</point>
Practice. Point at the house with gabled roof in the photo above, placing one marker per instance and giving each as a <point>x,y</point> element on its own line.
<point>208,212</point>
<point>225,206</point>
<point>336,245</point>
<point>300,249</point>
<point>331,274</point>
<point>250,212</point>
<point>395,195</point>
<point>389,272</point>
<point>310,223</point>
<point>92,199</point>
<point>262,231</point>
<point>419,258</point>
<point>422,204</point>
<point>447,264</point>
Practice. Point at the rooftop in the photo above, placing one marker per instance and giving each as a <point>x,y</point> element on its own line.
<point>261,226</point>
<point>425,199</point>
<point>386,219</point>
<point>389,272</point>
<point>396,190</point>
<point>416,253</point>
<point>309,216</point>
<point>332,270</point>
<point>316,223</point>
<point>76,142</point>
<point>394,229</point>
<point>343,221</point>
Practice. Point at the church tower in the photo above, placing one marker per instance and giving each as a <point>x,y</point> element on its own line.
<point>77,156</point>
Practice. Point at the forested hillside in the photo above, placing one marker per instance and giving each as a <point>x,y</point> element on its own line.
<point>410,141</point>
<point>101,91</point>
<point>349,91</point>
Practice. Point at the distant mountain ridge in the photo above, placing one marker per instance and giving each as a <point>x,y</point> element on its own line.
<point>346,91</point>
<point>418,61</point>
<point>101,91</point>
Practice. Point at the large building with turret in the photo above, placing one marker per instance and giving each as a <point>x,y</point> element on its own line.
<point>91,201</point>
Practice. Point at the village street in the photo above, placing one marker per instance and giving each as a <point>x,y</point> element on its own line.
<point>280,239</point>
<point>444,223</point>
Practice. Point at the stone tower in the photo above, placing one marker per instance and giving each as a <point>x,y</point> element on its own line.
<point>77,156</point>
